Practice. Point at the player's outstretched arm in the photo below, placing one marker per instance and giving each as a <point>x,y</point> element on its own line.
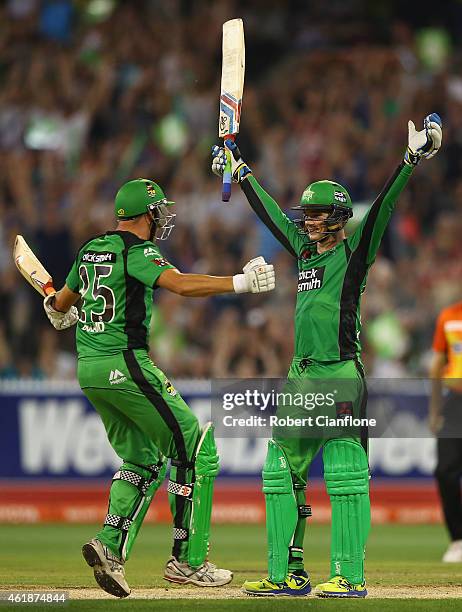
<point>285,230</point>
<point>421,145</point>
<point>59,308</point>
<point>257,277</point>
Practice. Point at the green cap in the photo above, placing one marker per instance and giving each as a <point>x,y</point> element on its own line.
<point>325,193</point>
<point>134,197</point>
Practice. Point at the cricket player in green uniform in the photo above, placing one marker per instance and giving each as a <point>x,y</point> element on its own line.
<point>146,419</point>
<point>332,276</point>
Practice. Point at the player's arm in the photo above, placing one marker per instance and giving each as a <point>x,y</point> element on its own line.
<point>437,365</point>
<point>267,209</point>
<point>424,144</point>
<point>435,417</point>
<point>64,299</point>
<point>195,285</point>
<point>257,277</point>
<point>367,238</point>
<point>149,267</point>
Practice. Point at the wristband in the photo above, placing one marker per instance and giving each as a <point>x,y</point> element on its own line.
<point>240,283</point>
<point>242,172</point>
<point>411,158</point>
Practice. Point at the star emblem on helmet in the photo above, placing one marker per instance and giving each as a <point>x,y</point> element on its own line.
<point>308,194</point>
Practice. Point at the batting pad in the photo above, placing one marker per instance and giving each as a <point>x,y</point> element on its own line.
<point>132,490</point>
<point>281,510</point>
<point>206,469</point>
<point>346,474</point>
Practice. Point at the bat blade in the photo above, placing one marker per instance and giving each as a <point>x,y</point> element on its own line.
<point>31,268</point>
<point>232,87</point>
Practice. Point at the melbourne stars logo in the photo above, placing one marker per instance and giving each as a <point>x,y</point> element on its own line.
<point>307,194</point>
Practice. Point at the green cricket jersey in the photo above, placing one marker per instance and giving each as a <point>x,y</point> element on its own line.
<point>115,274</point>
<point>330,284</point>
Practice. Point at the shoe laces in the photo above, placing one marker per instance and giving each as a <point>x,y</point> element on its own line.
<point>117,567</point>
<point>115,564</point>
<point>341,581</point>
<point>210,566</point>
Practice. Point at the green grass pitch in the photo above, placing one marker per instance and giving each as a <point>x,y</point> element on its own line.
<point>48,556</point>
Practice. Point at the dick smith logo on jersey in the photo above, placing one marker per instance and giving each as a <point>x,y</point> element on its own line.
<point>310,279</point>
<point>95,257</point>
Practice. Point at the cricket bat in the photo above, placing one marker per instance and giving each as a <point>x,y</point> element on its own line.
<point>232,87</point>
<point>31,268</point>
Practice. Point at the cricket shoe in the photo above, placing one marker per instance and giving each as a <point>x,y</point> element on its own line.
<point>295,585</point>
<point>108,569</point>
<point>338,586</point>
<point>206,575</point>
<point>454,552</point>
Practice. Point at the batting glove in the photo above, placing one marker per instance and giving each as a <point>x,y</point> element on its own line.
<point>258,277</point>
<point>239,169</point>
<point>60,320</point>
<point>424,144</point>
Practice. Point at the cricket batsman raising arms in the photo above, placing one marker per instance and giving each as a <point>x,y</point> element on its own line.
<point>146,419</point>
<point>327,346</point>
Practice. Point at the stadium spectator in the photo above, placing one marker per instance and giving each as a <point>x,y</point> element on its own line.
<point>84,107</point>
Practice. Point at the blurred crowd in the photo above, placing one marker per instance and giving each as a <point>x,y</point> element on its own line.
<point>95,93</point>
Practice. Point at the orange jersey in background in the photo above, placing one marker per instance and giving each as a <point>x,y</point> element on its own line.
<point>448,339</point>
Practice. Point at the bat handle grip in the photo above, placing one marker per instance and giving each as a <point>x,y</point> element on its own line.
<point>226,193</point>
<point>48,288</point>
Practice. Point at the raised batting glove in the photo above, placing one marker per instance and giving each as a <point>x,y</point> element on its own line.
<point>258,277</point>
<point>60,320</point>
<point>424,144</point>
<point>239,169</point>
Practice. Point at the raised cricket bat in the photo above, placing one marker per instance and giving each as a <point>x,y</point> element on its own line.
<point>31,268</point>
<point>232,87</point>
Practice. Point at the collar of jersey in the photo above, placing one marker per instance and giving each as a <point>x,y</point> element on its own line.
<point>315,255</point>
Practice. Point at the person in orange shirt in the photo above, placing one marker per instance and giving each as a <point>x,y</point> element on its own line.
<point>445,421</point>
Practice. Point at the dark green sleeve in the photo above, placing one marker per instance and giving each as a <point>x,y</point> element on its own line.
<point>279,224</point>
<point>367,237</point>
<point>146,263</point>
<point>72,280</point>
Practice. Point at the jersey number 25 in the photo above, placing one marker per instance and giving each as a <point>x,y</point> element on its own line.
<point>101,305</point>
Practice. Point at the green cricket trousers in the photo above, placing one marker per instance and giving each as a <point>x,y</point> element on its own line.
<point>346,471</point>
<point>146,421</point>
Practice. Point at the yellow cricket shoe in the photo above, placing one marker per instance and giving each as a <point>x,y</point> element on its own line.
<point>294,585</point>
<point>338,586</point>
